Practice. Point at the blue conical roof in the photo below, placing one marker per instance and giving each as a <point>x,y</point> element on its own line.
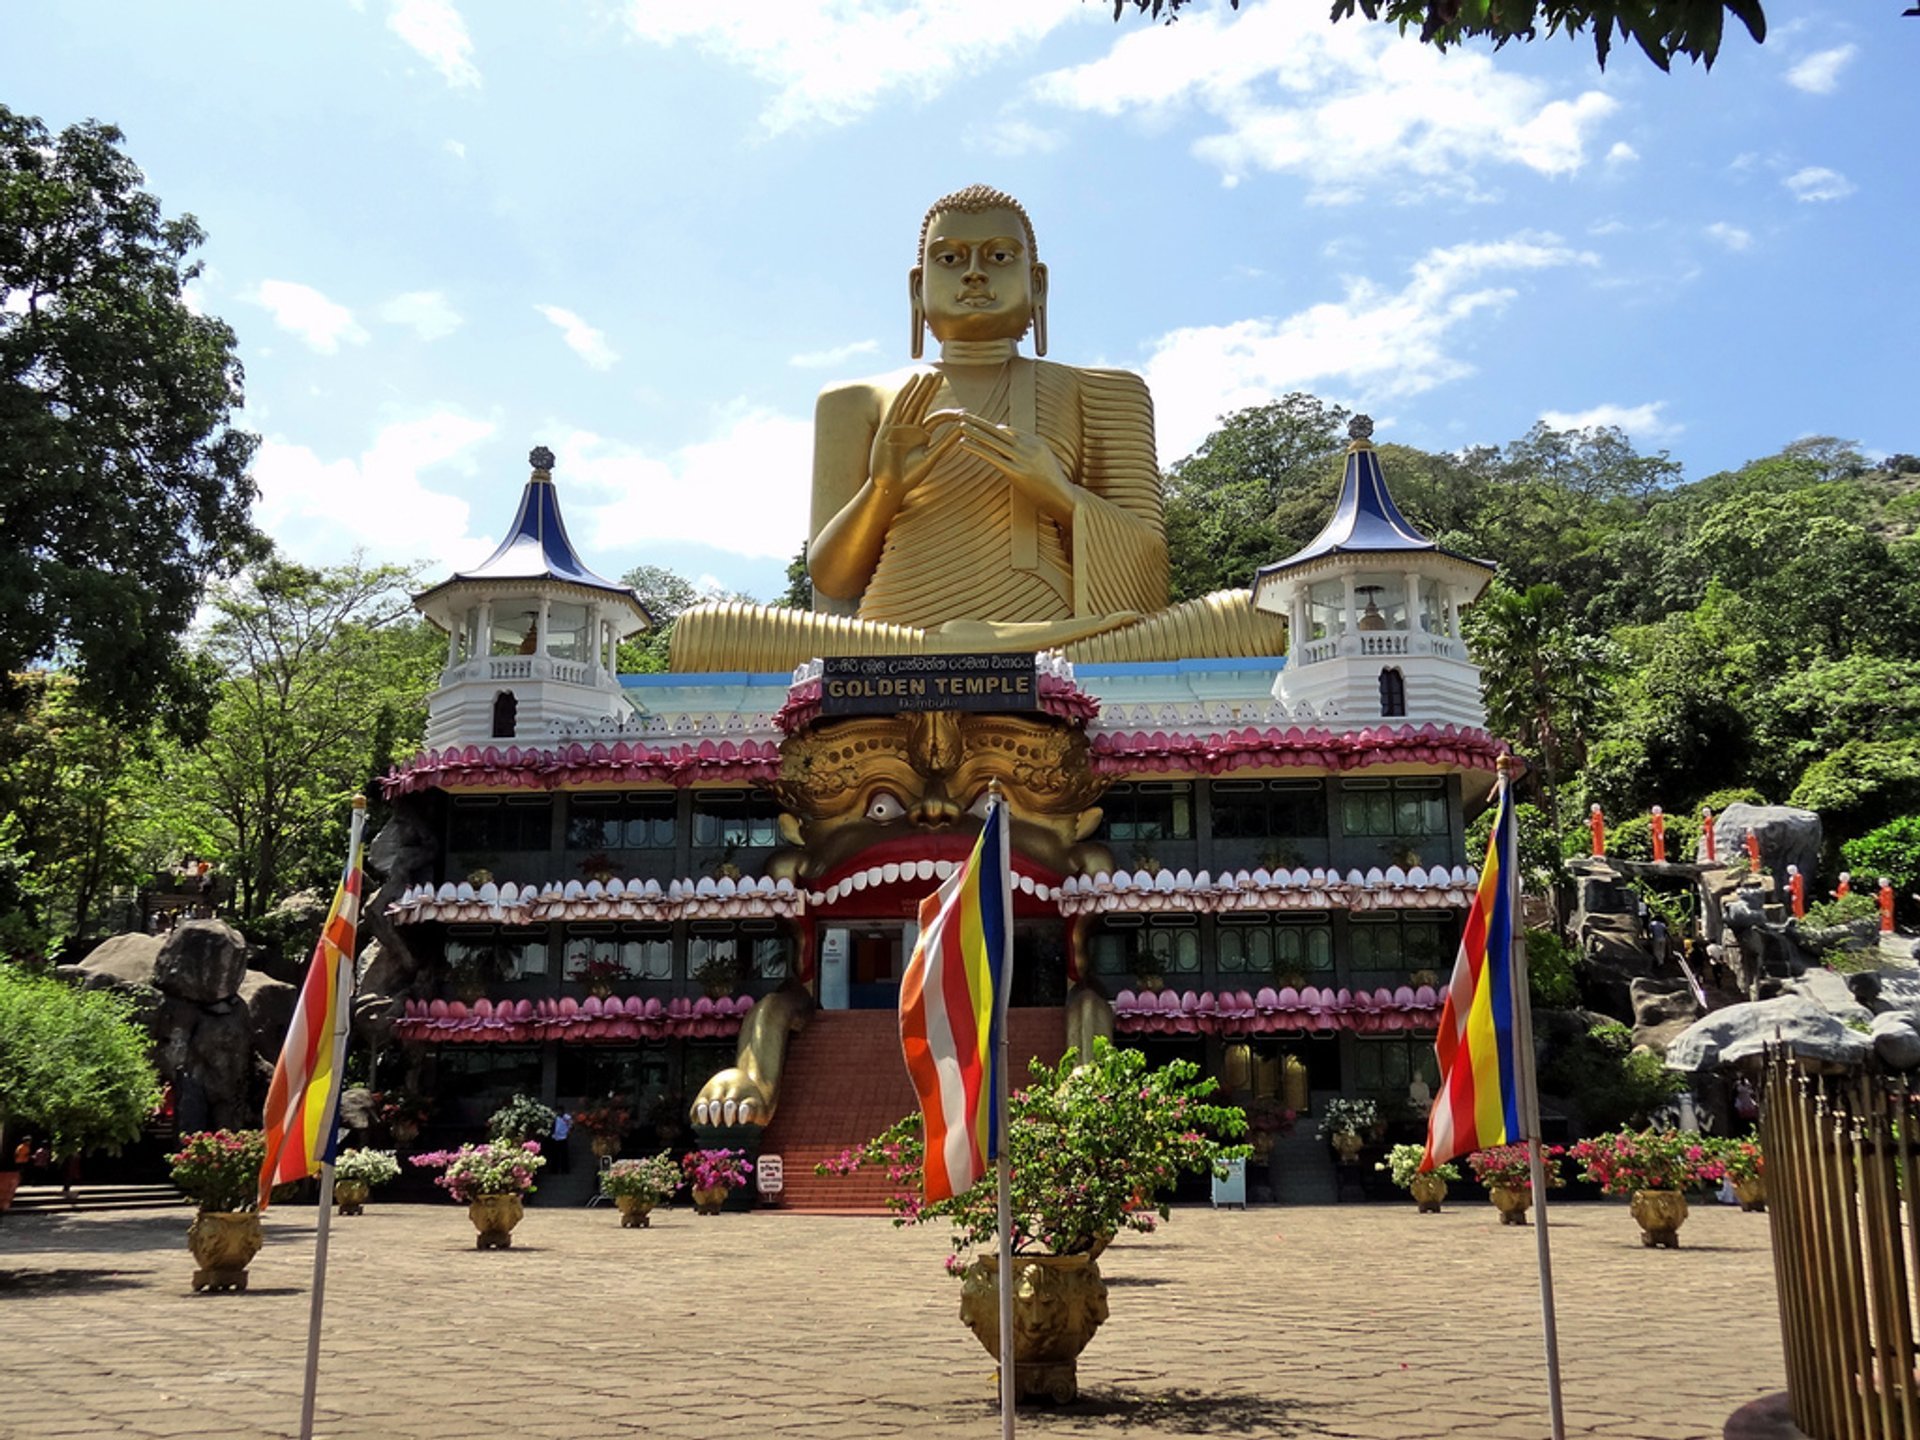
<point>1365,520</point>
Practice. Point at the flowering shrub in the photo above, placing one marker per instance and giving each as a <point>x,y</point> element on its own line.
<point>608,1120</point>
<point>366,1167</point>
<point>1403,1163</point>
<point>521,1118</point>
<point>598,972</point>
<point>220,1168</point>
<point>706,1168</point>
<point>1649,1160</point>
<point>1347,1117</point>
<point>1741,1160</point>
<point>651,1180</point>
<point>1505,1166</point>
<point>1093,1150</point>
<point>401,1107</point>
<point>501,1168</point>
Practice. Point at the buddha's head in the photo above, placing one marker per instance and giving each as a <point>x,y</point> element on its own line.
<point>978,275</point>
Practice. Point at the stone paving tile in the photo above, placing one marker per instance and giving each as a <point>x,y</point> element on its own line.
<point>1353,1322</point>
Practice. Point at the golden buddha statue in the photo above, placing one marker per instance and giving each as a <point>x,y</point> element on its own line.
<point>985,502</point>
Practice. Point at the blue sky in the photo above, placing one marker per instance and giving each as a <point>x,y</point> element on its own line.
<point>646,234</point>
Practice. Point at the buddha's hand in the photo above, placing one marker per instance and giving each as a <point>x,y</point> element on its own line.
<point>1025,459</point>
<point>910,441</point>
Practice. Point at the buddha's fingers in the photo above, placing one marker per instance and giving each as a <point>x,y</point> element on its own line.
<point>930,457</point>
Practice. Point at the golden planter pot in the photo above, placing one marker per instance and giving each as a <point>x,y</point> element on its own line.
<point>223,1242</point>
<point>605,1146</point>
<point>1058,1302</point>
<point>707,1199</point>
<point>1661,1213</point>
<point>1428,1191</point>
<point>1347,1145</point>
<point>1511,1203</point>
<point>1752,1194</point>
<point>634,1210</point>
<point>350,1196</point>
<point>494,1216</point>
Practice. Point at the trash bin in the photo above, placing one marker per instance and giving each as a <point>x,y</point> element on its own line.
<point>1233,1189</point>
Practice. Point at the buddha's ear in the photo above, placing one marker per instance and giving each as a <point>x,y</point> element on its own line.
<point>914,277</point>
<point>1039,308</point>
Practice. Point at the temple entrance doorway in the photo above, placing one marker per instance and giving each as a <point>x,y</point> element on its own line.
<point>862,961</point>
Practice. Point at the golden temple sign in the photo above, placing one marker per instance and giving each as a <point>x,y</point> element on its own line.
<point>893,684</point>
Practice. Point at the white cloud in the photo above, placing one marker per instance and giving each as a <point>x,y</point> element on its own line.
<point>436,31</point>
<point>838,355</point>
<point>585,341</point>
<point>455,149</point>
<point>1607,227</point>
<point>1731,236</point>
<point>1013,136</point>
<point>833,63</point>
<point>755,470</point>
<point>1640,421</point>
<point>427,313</point>
<point>1622,154</point>
<point>317,509</point>
<point>1344,105</point>
<point>1378,342</point>
<point>1819,73</point>
<point>302,310</point>
<point>1816,182</point>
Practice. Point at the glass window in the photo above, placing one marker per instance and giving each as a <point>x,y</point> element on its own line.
<point>1411,809</point>
<point>484,824</point>
<point>1160,947</point>
<point>1148,811</point>
<point>735,819</point>
<point>1263,947</point>
<point>633,1073</point>
<point>621,822</point>
<point>509,955</point>
<point>1385,1066</point>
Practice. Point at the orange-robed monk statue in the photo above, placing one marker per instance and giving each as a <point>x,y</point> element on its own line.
<point>985,501</point>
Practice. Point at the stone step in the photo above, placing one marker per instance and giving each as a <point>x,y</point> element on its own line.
<point>40,1199</point>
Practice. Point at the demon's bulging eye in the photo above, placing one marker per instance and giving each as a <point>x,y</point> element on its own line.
<point>884,807</point>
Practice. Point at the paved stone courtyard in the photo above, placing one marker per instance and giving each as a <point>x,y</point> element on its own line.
<point>1349,1321</point>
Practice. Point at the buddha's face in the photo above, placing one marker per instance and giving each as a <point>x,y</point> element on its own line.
<point>977,279</point>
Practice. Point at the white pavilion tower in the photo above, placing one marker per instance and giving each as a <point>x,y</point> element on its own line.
<point>1373,611</point>
<point>532,633</point>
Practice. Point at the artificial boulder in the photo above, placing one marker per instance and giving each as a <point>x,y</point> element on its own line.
<point>269,1004</point>
<point>1896,1039</point>
<point>1788,836</point>
<point>202,961</point>
<point>1741,1032</point>
<point>123,962</point>
<point>405,849</point>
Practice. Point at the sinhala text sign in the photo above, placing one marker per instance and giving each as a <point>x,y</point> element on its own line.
<point>888,684</point>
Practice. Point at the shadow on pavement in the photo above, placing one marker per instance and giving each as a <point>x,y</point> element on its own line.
<point>48,1282</point>
<point>1183,1412</point>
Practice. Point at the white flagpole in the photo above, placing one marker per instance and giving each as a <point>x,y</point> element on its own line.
<point>1530,1106</point>
<point>1003,970</point>
<point>341,1023</point>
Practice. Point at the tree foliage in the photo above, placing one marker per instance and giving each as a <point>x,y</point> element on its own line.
<point>74,1069</point>
<point>126,487</point>
<point>1663,29</point>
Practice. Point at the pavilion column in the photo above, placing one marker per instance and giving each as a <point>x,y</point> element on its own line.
<point>540,627</point>
<point>1414,623</point>
<point>1350,617</point>
<point>485,636</point>
<point>1453,613</point>
<point>596,627</point>
<point>453,640</point>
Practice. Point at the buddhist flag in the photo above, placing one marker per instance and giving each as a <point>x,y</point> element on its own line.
<point>953,1007</point>
<point>1479,1103</point>
<point>304,1098</point>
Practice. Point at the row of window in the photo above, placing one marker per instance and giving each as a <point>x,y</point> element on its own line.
<point>1260,946</point>
<point>759,950</point>
<point>1136,813</point>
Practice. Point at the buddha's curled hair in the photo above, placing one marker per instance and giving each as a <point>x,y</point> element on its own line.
<point>975,200</point>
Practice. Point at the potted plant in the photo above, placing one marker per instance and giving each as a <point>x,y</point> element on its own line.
<point>470,973</point>
<point>711,1174</point>
<point>1655,1168</point>
<point>403,1112</point>
<point>1428,1187</point>
<point>492,1181</point>
<point>358,1171</point>
<point>1745,1166</point>
<point>597,866</point>
<point>638,1185</point>
<point>220,1170</point>
<point>1267,1120</point>
<point>598,975</point>
<point>1145,968</point>
<point>1508,1177</point>
<point>1344,1121</point>
<point>719,975</point>
<point>1094,1150</point>
<point>521,1118</point>
<point>606,1124</point>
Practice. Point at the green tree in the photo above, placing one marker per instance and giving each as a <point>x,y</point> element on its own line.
<point>1662,29</point>
<point>1543,680</point>
<point>74,1067</point>
<point>1893,850</point>
<point>319,669</point>
<point>126,487</point>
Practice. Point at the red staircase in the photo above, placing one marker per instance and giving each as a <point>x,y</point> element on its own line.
<point>845,1082</point>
